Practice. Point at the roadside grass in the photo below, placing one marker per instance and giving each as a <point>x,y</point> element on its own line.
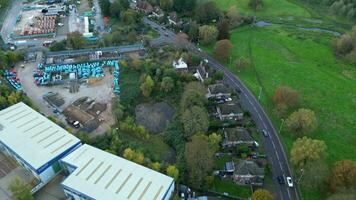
<point>305,62</point>
<point>272,8</point>
<point>228,186</point>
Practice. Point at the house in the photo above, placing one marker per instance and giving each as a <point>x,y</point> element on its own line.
<point>218,91</point>
<point>97,174</point>
<point>236,136</point>
<point>248,172</point>
<point>180,65</point>
<point>34,142</point>
<point>144,7</point>
<point>201,72</point>
<point>173,19</point>
<point>157,12</point>
<point>229,111</point>
<point>229,167</point>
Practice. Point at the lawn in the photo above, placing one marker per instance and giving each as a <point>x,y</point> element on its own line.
<point>305,62</point>
<point>272,8</point>
<point>228,186</point>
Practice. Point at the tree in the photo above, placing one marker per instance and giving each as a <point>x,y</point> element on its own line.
<point>195,120</point>
<point>301,121</point>
<point>262,194</point>
<point>242,63</point>
<point>224,29</point>
<point>116,9</point>
<point>207,12</point>
<point>255,4</point>
<point>234,17</point>
<point>214,141</point>
<point>343,176</point>
<point>193,31</point>
<point>344,195</point>
<point>76,40</point>
<point>222,50</point>
<point>155,166</point>
<point>199,159</point>
<point>173,172</point>
<point>181,41</point>
<point>167,84</point>
<point>129,154</point>
<point>305,150</point>
<point>132,36</point>
<point>285,98</point>
<point>20,190</point>
<point>314,174</point>
<point>208,34</point>
<point>193,95</point>
<point>105,7</point>
<point>166,4</point>
<point>147,86</point>
<point>184,5</point>
<point>129,16</point>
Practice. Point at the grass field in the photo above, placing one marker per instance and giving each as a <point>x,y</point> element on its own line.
<point>271,9</point>
<point>228,186</point>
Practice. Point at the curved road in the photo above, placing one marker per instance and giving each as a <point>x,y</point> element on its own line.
<point>272,144</point>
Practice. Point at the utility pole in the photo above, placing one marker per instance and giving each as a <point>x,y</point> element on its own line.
<point>301,175</point>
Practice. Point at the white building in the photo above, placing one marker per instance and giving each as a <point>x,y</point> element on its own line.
<point>96,174</point>
<point>34,141</point>
<point>180,65</point>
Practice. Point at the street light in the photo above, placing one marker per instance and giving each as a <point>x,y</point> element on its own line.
<point>259,95</point>
<point>301,175</point>
<point>280,127</point>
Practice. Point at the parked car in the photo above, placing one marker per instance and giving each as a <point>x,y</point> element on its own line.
<point>264,133</point>
<point>73,123</point>
<point>289,181</point>
<point>280,180</point>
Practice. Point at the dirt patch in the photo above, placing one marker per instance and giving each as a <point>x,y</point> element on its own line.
<point>154,117</point>
<point>75,113</point>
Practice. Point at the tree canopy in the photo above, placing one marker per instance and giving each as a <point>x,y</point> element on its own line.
<point>306,149</point>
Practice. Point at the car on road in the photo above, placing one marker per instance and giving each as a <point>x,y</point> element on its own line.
<point>166,34</point>
<point>289,181</point>
<point>265,133</point>
<point>280,180</point>
<point>199,49</point>
<point>164,28</point>
<point>60,24</point>
<point>206,60</point>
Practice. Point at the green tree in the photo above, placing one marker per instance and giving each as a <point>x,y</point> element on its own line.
<point>208,34</point>
<point>20,190</point>
<point>224,29</point>
<point>305,150</point>
<point>129,16</point>
<point>207,12</point>
<point>255,4</point>
<point>76,40</point>
<point>167,84</point>
<point>155,166</point>
<point>262,194</point>
<point>166,4</point>
<point>214,141</point>
<point>314,174</point>
<point>193,95</point>
<point>301,122</point>
<point>195,120</point>
<point>105,7</point>
<point>199,159</point>
<point>173,172</point>
<point>147,86</point>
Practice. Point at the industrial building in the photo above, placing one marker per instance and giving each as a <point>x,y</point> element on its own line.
<point>96,174</point>
<point>35,142</point>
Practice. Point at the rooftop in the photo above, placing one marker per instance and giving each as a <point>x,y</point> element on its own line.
<point>230,108</point>
<point>245,167</point>
<point>101,175</point>
<point>219,88</point>
<point>32,136</point>
<point>239,133</point>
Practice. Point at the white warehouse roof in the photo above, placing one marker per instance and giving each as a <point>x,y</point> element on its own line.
<point>32,137</point>
<point>102,176</point>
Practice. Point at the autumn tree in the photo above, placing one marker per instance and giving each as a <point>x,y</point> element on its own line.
<point>262,194</point>
<point>255,4</point>
<point>301,122</point>
<point>147,85</point>
<point>285,98</point>
<point>343,176</point>
<point>199,159</point>
<point>344,195</point>
<point>155,166</point>
<point>20,190</point>
<point>208,34</point>
<point>133,155</point>
<point>195,120</point>
<point>305,150</point>
<point>181,41</point>
<point>173,172</point>
<point>235,19</point>
<point>222,50</point>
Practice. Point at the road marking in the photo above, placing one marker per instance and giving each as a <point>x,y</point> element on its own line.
<point>288,193</point>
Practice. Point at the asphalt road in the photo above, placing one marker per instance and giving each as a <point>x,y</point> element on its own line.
<point>272,144</point>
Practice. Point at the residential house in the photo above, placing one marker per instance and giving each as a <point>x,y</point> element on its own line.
<point>229,111</point>
<point>229,167</point>
<point>201,72</point>
<point>144,7</point>
<point>236,136</point>
<point>173,19</point>
<point>218,91</point>
<point>248,172</point>
<point>180,65</point>
<point>157,12</point>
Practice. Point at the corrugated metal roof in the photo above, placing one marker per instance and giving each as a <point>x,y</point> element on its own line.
<point>33,137</point>
<point>101,175</point>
